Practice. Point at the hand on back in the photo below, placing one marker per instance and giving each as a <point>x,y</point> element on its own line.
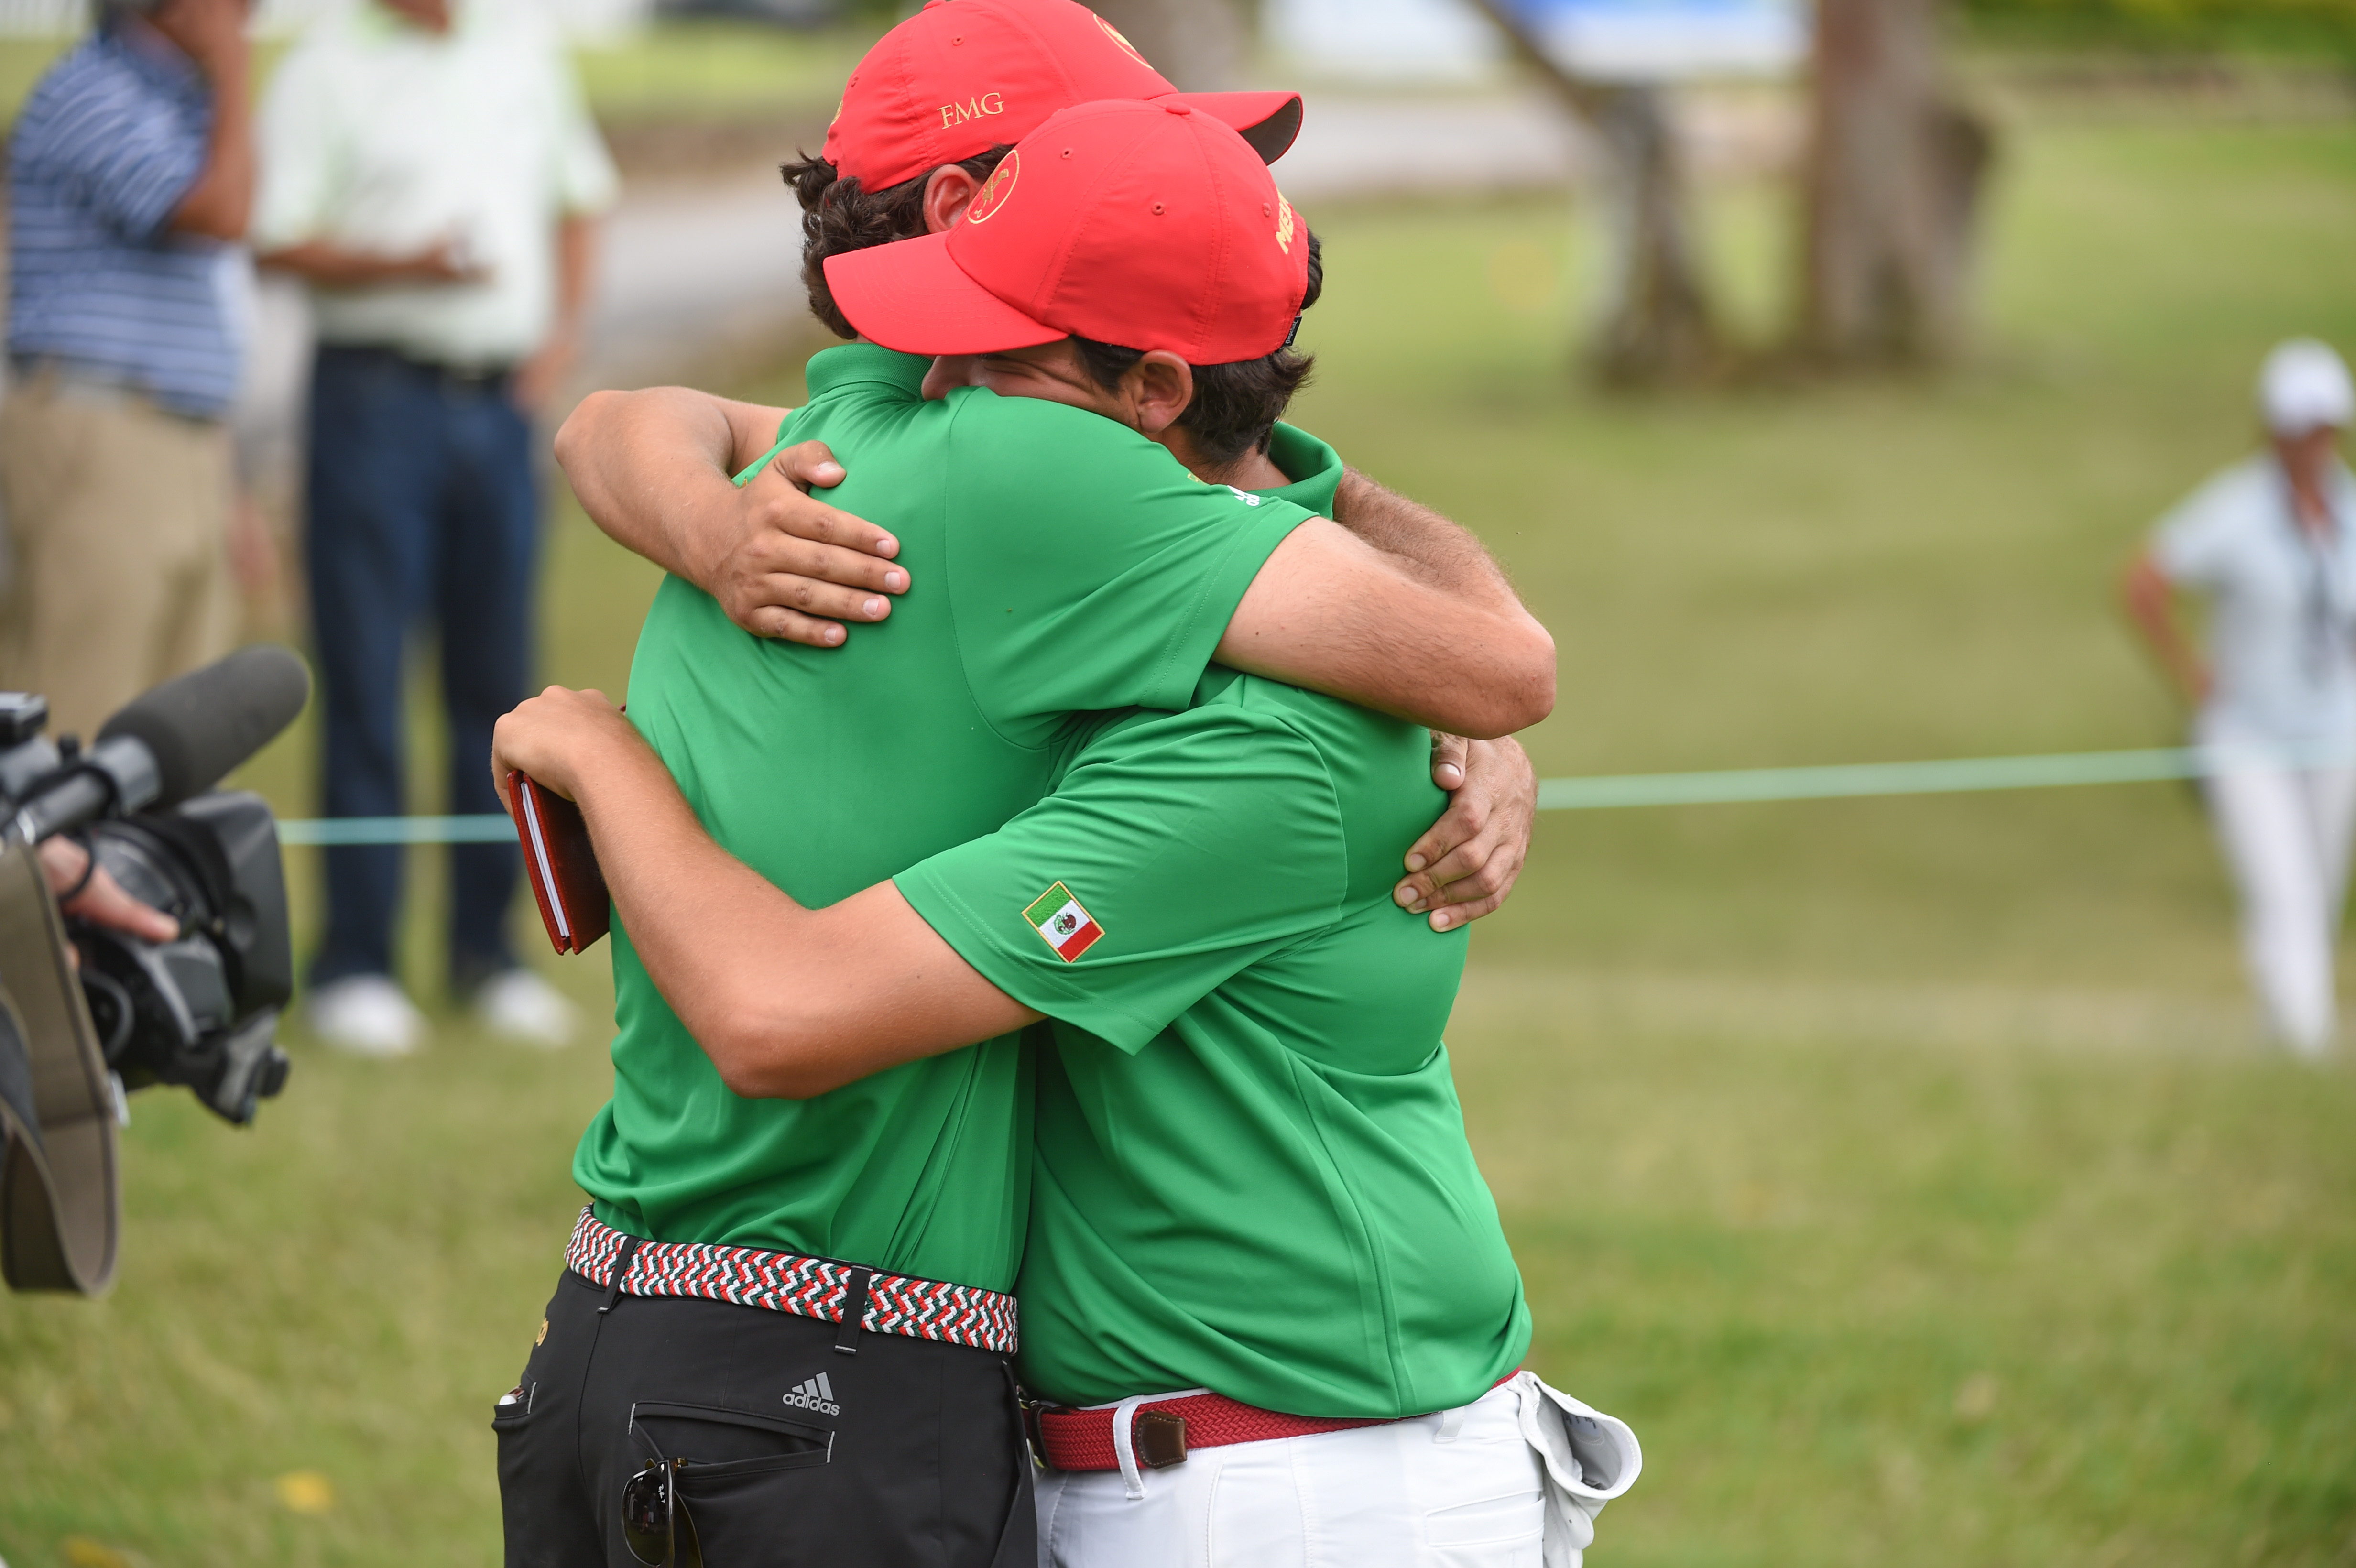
<point>1465,867</point>
<point>785,564</point>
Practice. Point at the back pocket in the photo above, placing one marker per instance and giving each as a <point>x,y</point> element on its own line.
<point>514,1407</point>
<point>736,1473</point>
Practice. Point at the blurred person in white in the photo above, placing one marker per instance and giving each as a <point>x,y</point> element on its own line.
<point>428,167</point>
<point>2271,543</point>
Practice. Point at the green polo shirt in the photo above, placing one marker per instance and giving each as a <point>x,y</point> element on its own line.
<point>1252,1170</point>
<point>1061,564</point>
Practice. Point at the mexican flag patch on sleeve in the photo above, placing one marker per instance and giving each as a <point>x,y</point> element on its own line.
<point>1060,920</point>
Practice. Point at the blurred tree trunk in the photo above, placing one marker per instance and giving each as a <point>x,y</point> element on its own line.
<point>1890,189</point>
<point>1657,326</point>
<point>1198,44</point>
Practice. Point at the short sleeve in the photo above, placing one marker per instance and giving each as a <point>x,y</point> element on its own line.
<point>1089,571</point>
<point>1178,849</point>
<point>295,140</point>
<point>586,182</point>
<point>129,156</point>
<point>2195,544</point>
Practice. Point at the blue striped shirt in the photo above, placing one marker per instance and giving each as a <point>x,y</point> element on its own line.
<point>109,146</point>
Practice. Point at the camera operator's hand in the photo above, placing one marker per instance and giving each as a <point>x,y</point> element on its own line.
<point>102,899</point>
<point>557,738</point>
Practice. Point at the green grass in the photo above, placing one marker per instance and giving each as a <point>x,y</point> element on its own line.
<point>1902,1171</point>
<point>1869,1302</point>
<point>2310,29</point>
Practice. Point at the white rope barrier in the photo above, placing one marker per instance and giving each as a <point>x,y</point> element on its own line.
<point>1856,781</point>
<point>1608,793</point>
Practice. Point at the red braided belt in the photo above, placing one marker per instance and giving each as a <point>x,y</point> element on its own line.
<point>787,1282</point>
<point>1165,1429</point>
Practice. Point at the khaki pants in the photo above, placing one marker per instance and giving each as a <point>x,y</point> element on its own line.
<point>117,512</point>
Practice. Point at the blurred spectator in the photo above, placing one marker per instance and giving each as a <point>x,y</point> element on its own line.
<point>429,169</point>
<point>2271,542</point>
<point>131,177</point>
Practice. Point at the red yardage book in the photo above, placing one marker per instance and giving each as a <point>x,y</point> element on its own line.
<point>561,865</point>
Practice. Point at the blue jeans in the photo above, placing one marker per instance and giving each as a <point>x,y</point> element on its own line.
<point>423,510</point>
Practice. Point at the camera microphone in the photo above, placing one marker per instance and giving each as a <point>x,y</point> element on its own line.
<point>175,743</point>
<point>200,725</point>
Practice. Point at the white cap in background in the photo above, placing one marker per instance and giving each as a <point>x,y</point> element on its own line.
<point>2305,385</point>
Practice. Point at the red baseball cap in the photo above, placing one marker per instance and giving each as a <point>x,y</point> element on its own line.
<point>1148,225</point>
<point>961,76</point>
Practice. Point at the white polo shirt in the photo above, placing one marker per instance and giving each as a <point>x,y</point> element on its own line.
<point>2282,630</point>
<point>379,136</point>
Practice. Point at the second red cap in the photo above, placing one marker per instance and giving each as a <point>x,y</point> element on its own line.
<point>1148,225</point>
<point>961,76</point>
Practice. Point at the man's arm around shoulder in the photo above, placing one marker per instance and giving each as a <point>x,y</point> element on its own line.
<point>1420,624</point>
<point>1397,608</point>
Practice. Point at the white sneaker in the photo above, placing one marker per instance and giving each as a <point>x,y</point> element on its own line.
<point>367,1015</point>
<point>520,1006</point>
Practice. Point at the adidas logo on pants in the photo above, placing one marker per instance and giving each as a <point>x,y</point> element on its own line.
<point>816,1395</point>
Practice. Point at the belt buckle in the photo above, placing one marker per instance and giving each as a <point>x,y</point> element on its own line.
<point>1035,1438</point>
<point>1158,1437</point>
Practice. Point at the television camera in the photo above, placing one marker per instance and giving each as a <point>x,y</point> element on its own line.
<point>88,1013</point>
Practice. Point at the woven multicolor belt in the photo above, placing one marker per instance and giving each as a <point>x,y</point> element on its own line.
<point>788,1282</point>
<point>1163,1430</point>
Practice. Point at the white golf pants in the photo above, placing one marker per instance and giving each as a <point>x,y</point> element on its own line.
<point>2286,833</point>
<point>1512,1480</point>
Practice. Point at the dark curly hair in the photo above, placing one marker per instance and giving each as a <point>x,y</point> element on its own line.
<point>1236,405</point>
<point>838,216</point>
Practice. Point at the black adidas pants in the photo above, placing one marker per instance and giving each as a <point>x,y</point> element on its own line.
<point>904,1452</point>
